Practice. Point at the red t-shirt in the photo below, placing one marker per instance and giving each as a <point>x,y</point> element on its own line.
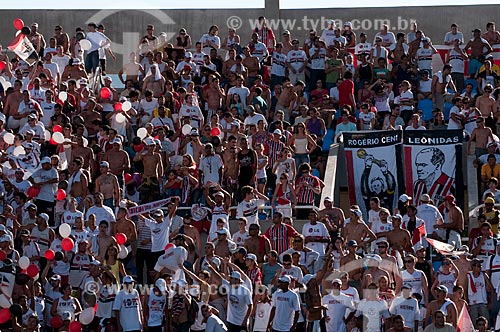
<point>345,89</point>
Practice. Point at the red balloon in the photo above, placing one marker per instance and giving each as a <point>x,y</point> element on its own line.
<point>4,315</point>
<point>61,194</point>
<point>2,65</point>
<point>3,255</point>
<point>50,254</point>
<point>18,24</point>
<point>169,246</point>
<point>57,129</point>
<point>67,244</point>
<point>105,93</point>
<point>118,107</point>
<point>128,177</point>
<point>215,132</point>
<point>52,142</point>
<point>121,238</point>
<point>33,192</point>
<point>32,270</point>
<point>56,322</point>
<point>75,326</point>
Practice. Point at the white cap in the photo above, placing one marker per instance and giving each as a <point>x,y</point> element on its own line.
<point>2,117</point>
<point>45,160</point>
<point>307,278</point>
<point>161,284</point>
<point>188,55</point>
<point>44,216</point>
<point>158,213</point>
<point>104,164</point>
<point>149,141</point>
<point>337,281</point>
<point>404,198</point>
<point>128,280</point>
<point>235,275</point>
<point>252,257</point>
<point>222,231</point>
<point>277,132</point>
<point>328,199</point>
<point>375,257</point>
<point>181,283</point>
<point>285,279</point>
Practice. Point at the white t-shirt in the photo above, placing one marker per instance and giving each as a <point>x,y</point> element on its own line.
<point>215,324</point>
<point>69,217</point>
<point>375,311</point>
<point>240,238</point>
<point>319,62</point>
<point>293,272</point>
<point>286,304</point>
<point>102,213</point>
<point>319,231</point>
<point>243,92</point>
<point>338,307</point>
<point>129,308</point>
<point>404,97</point>
<point>47,191</point>
<point>296,59</point>
<point>408,308</point>
<point>210,166</point>
<point>279,64</point>
<point>148,106</point>
<point>238,300</point>
<point>452,124</point>
<point>159,234</point>
<point>156,305</point>
<point>172,259</point>
<point>366,120</point>
<point>194,112</point>
<point>249,210</point>
<point>48,112</point>
<point>430,214</point>
<point>260,51</point>
<point>62,62</point>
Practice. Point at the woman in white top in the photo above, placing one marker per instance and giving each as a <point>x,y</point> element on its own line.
<point>303,143</point>
<point>446,276</point>
<point>262,161</point>
<point>66,303</point>
<point>284,196</point>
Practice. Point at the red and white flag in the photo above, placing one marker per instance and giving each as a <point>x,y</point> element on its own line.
<point>464,322</point>
<point>418,234</point>
<point>441,247</point>
<point>23,48</point>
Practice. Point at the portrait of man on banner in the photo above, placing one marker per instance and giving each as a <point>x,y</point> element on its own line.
<point>432,178</point>
<point>377,181</point>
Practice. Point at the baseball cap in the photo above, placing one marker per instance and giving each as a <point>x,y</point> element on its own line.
<point>419,246</point>
<point>19,170</point>
<point>44,216</point>
<point>307,278</point>
<point>222,231</point>
<point>477,30</point>
<point>161,284</point>
<point>76,62</point>
<point>194,132</point>
<point>474,260</point>
<point>45,160</point>
<point>492,144</point>
<point>285,279</point>
<point>83,81</point>
<point>426,39</point>
<point>181,283</point>
<point>374,257</point>
<point>330,21</point>
<point>397,216</point>
<point>104,164</point>
<point>219,193</point>
<point>31,205</point>
<point>158,213</point>
<point>352,243</point>
<point>277,132</point>
<point>442,288</point>
<point>149,141</point>
<point>235,275</point>
<point>337,281</point>
<point>425,198</point>
<point>348,24</point>
<point>328,199</point>
<point>450,199</point>
<point>407,285</point>
<point>286,32</point>
<point>179,237</point>
<point>56,277</point>
<point>489,200</point>
<point>2,117</point>
<point>357,212</point>
<point>95,262</point>
<point>24,232</point>
<point>6,238</point>
<point>116,141</point>
<point>404,198</point>
<point>252,257</point>
<point>188,55</point>
<point>128,279</point>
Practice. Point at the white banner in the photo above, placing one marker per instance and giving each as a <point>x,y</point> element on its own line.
<point>144,208</point>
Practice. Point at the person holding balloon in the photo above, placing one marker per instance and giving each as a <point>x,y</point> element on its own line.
<point>97,40</point>
<point>66,303</point>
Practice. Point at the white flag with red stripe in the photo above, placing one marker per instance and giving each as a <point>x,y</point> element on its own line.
<point>464,322</point>
<point>441,247</point>
<point>23,48</point>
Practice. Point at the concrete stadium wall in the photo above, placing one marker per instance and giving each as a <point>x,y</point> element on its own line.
<point>126,27</point>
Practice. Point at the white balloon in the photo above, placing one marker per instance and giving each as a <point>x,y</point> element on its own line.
<point>46,135</point>
<point>85,141</point>
<point>18,32</point>
<point>24,262</point>
<point>87,316</point>
<point>123,252</point>
<point>8,138</point>
<point>186,129</point>
<point>142,133</point>
<point>120,118</point>
<point>58,137</point>
<point>126,106</point>
<point>85,44</point>
<point>19,150</point>
<point>65,230</point>
<point>63,96</point>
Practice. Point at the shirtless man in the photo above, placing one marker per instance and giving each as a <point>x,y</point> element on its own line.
<point>485,103</point>
<point>439,87</point>
<point>214,95</point>
<point>491,35</point>
<point>481,135</point>
<point>103,241</point>
<point>153,171</point>
<point>131,70</point>
<point>107,184</point>
<point>197,148</point>
<point>479,49</point>
<point>90,115</point>
<point>85,152</point>
<point>334,214</point>
<point>13,100</point>
<point>257,244</point>
<point>154,81</point>
<point>463,264</point>
<point>373,271</point>
<point>389,264</point>
<point>399,239</point>
<point>285,99</point>
<point>118,160</point>
<point>228,64</point>
<point>439,303</point>
<point>357,230</point>
<point>77,182</point>
<point>189,230</point>
<point>252,65</point>
<point>127,227</point>
<point>352,264</point>
<point>455,223</point>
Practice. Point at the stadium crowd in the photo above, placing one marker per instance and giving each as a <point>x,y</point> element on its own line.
<point>219,129</point>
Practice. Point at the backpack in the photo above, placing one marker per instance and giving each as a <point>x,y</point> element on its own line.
<point>192,311</point>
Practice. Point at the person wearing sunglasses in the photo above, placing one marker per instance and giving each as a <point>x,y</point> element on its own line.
<point>416,278</point>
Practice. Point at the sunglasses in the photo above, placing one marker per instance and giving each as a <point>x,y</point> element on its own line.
<point>408,262</point>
